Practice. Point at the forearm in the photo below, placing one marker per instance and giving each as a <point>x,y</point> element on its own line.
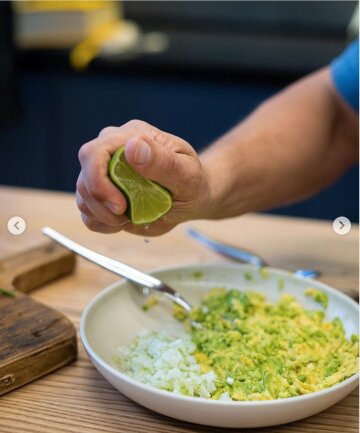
<point>292,146</point>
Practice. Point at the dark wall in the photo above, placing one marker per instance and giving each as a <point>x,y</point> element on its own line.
<point>8,88</point>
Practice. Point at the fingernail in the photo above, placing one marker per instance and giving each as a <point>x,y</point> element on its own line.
<point>143,153</point>
<point>114,208</point>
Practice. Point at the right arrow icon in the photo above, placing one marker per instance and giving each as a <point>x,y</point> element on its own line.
<point>342,225</point>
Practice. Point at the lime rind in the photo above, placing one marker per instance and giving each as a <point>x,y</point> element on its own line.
<point>147,200</point>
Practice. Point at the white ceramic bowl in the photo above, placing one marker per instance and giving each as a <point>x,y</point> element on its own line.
<point>115,316</point>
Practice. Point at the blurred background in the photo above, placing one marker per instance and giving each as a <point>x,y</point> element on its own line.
<point>67,69</point>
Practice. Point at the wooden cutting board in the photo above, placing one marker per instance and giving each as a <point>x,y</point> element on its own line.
<point>34,339</point>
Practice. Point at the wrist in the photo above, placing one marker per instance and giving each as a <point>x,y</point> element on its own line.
<point>212,197</point>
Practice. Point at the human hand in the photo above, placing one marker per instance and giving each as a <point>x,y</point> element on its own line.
<point>154,154</point>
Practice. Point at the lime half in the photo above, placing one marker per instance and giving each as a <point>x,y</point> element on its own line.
<point>147,200</point>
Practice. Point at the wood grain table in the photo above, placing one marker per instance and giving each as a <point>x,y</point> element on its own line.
<point>76,398</point>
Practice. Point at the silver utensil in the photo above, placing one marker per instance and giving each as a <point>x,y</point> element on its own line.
<point>241,254</point>
<point>139,278</point>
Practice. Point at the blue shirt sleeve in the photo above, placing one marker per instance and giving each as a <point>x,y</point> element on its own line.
<point>345,75</point>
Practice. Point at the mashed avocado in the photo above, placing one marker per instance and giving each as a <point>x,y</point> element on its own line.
<point>318,296</point>
<point>263,351</point>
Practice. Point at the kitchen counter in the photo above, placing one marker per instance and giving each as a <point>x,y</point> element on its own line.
<point>76,398</point>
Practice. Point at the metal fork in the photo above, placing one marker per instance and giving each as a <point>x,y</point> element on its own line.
<point>241,254</point>
<point>135,276</point>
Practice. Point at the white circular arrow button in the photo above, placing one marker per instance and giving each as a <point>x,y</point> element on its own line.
<point>16,225</point>
<point>341,225</point>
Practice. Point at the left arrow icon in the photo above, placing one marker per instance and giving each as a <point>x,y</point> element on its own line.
<point>16,225</point>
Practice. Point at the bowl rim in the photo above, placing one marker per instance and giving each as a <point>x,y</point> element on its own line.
<point>201,400</point>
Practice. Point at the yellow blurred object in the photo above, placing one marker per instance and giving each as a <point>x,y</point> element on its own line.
<point>62,24</point>
<point>83,53</point>
<point>39,5</point>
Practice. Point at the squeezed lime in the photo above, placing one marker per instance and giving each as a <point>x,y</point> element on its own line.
<point>147,200</point>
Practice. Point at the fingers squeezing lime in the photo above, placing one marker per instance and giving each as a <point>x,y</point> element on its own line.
<point>147,200</point>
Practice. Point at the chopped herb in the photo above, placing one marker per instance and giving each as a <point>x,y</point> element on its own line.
<point>354,338</point>
<point>197,275</point>
<point>281,283</point>
<point>150,302</point>
<point>264,273</point>
<point>179,313</point>
<point>248,276</point>
<point>8,293</point>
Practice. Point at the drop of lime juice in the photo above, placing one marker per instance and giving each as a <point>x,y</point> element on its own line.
<point>146,238</point>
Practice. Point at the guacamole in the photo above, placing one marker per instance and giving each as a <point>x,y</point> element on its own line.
<point>318,296</point>
<point>264,351</point>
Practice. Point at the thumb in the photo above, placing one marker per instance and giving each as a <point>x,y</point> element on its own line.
<point>156,162</point>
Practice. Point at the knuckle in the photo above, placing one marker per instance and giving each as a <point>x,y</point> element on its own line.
<point>90,223</point>
<point>171,163</point>
<point>80,187</point>
<point>79,184</point>
<point>144,128</point>
<point>136,124</point>
<point>133,122</point>
<point>107,130</point>
<point>96,192</point>
<point>94,182</point>
<point>85,219</point>
<point>156,135</point>
<point>83,207</point>
<point>84,152</point>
